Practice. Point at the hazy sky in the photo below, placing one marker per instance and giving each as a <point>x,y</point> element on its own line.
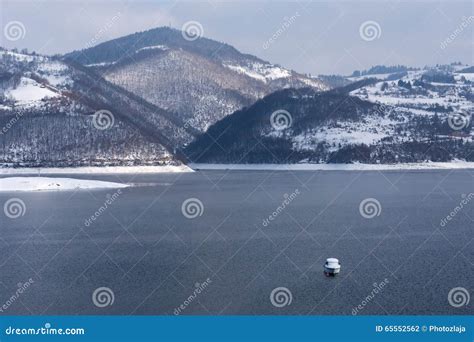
<point>309,36</point>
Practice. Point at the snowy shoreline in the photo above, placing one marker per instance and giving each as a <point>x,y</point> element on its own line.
<point>192,167</point>
<point>11,184</point>
<point>95,170</point>
<point>337,167</point>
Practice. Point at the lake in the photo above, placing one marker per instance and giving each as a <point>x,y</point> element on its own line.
<point>243,242</point>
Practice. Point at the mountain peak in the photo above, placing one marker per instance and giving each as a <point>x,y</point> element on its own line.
<point>123,47</point>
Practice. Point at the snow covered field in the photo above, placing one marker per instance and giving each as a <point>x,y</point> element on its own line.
<point>448,95</point>
<point>56,184</point>
<point>336,167</point>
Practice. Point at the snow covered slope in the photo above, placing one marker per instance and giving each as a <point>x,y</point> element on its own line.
<point>201,81</point>
<point>56,184</point>
<point>54,113</point>
<point>377,123</point>
<point>428,91</point>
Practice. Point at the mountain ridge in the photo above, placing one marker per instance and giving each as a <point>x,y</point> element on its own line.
<point>57,103</point>
<point>405,120</point>
<point>201,80</point>
<point>178,101</point>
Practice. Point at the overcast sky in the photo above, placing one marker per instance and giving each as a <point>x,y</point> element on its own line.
<point>317,37</point>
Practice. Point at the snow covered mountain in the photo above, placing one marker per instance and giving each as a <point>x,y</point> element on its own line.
<point>415,116</point>
<point>200,80</point>
<point>58,112</point>
<point>54,113</point>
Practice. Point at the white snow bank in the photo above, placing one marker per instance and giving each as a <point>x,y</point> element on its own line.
<point>154,47</point>
<point>96,170</point>
<point>261,72</point>
<point>29,91</point>
<point>335,167</point>
<point>50,183</point>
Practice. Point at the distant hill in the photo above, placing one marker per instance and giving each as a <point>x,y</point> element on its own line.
<point>47,118</point>
<point>371,121</point>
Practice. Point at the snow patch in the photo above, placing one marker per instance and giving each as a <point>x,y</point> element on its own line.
<point>101,64</point>
<point>20,57</point>
<point>447,95</point>
<point>29,91</point>
<point>56,184</point>
<point>261,72</point>
<point>154,47</point>
<point>370,130</point>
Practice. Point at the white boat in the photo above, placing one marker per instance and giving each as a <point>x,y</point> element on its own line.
<point>332,267</point>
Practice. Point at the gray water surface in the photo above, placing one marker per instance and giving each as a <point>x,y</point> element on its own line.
<point>154,259</point>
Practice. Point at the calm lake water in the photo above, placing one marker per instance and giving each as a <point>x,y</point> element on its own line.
<point>255,231</point>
